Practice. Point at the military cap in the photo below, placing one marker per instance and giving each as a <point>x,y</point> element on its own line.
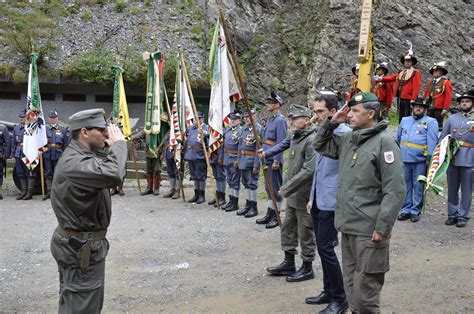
<point>53,114</point>
<point>200,114</point>
<point>234,116</point>
<point>382,65</point>
<point>362,98</point>
<point>91,118</point>
<point>439,66</point>
<point>299,111</point>
<point>409,56</point>
<point>420,102</point>
<point>22,113</point>
<point>246,113</point>
<point>468,95</point>
<point>274,97</point>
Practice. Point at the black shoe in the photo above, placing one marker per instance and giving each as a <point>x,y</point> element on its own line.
<point>244,210</point>
<point>403,216</point>
<point>322,298</point>
<point>336,307</point>
<point>29,194</point>
<point>253,211</point>
<point>451,221</point>
<point>223,207</point>
<point>47,196</point>
<point>200,198</point>
<point>148,191</point>
<point>265,219</point>
<point>287,267</point>
<point>461,223</point>
<point>273,223</point>
<point>212,202</point>
<point>304,273</point>
<point>221,197</point>
<point>195,197</point>
<point>170,193</point>
<point>1,196</point>
<point>415,218</point>
<point>234,205</point>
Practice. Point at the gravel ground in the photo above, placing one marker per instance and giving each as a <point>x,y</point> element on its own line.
<point>170,256</point>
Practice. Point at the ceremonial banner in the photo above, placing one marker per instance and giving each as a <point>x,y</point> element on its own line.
<point>156,116</point>
<point>35,127</point>
<point>442,155</point>
<point>120,107</point>
<point>223,88</point>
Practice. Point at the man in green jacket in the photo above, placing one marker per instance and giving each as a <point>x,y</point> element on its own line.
<point>371,193</point>
<point>80,199</point>
<point>296,189</point>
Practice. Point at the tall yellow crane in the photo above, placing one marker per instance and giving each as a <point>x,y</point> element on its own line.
<point>365,53</point>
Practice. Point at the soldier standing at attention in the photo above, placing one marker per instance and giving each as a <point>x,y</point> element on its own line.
<point>218,171</point>
<point>384,91</point>
<point>370,195</point>
<point>4,153</point>
<point>407,84</point>
<point>81,201</point>
<point>194,154</point>
<point>274,132</point>
<point>417,136</point>
<point>171,170</point>
<point>57,141</point>
<point>461,169</point>
<point>438,93</point>
<point>249,166</point>
<point>26,176</point>
<point>232,171</point>
<point>296,189</point>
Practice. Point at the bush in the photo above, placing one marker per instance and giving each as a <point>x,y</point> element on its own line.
<point>86,16</point>
<point>120,6</point>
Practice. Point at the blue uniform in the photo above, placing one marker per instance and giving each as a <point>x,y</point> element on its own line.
<point>57,141</point>
<point>4,149</point>
<point>218,170</point>
<point>275,131</point>
<point>17,152</point>
<point>461,169</point>
<point>171,168</point>
<point>248,158</point>
<point>231,146</point>
<point>194,153</point>
<point>417,139</point>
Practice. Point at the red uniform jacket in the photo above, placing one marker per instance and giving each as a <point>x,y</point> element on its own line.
<point>441,93</point>
<point>384,92</point>
<point>353,90</point>
<point>407,83</point>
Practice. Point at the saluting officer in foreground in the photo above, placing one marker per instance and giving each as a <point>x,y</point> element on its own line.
<point>370,195</point>
<point>81,201</point>
<point>57,140</point>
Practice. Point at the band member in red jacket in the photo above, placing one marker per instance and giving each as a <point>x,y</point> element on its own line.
<point>438,93</point>
<point>407,84</point>
<point>384,91</point>
<point>354,89</point>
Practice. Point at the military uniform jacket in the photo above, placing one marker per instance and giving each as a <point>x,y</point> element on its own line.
<point>296,186</point>
<point>384,92</point>
<point>193,146</point>
<point>274,133</point>
<point>440,91</point>
<point>371,182</point>
<point>231,144</point>
<point>422,131</point>
<point>168,150</point>
<point>461,128</point>
<point>4,142</point>
<point>17,141</point>
<point>248,146</point>
<point>407,83</point>
<point>57,141</point>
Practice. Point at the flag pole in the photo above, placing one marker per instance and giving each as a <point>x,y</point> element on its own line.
<point>196,122</point>
<point>135,166</point>
<point>249,110</point>
<point>42,174</point>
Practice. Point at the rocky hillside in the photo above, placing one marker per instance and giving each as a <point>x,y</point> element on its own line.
<point>296,47</point>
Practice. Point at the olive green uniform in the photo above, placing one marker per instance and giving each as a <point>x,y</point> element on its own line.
<point>81,201</point>
<point>371,193</point>
<point>296,189</point>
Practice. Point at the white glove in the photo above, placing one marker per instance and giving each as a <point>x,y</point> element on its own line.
<point>377,78</point>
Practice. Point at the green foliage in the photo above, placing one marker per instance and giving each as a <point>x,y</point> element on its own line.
<point>197,32</point>
<point>278,85</point>
<point>393,118</point>
<point>253,48</point>
<point>7,69</point>
<point>169,69</point>
<point>86,16</point>
<point>135,10</point>
<point>120,6</point>
<point>18,76</point>
<point>101,2</point>
<point>148,3</point>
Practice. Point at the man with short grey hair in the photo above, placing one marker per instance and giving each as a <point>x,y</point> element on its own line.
<point>370,195</point>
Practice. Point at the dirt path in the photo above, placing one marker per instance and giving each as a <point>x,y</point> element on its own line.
<point>168,256</point>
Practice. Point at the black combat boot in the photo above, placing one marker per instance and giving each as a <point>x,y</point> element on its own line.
<point>304,273</point>
<point>201,199</point>
<point>265,219</point>
<point>234,205</point>
<point>170,193</point>
<point>221,198</point>
<point>244,210</point>
<point>195,197</point>
<point>24,187</point>
<point>48,190</point>
<point>213,201</point>
<point>29,190</point>
<point>273,221</point>
<point>223,207</point>
<point>287,267</point>
<point>253,211</point>
<point>149,185</point>
<point>175,194</point>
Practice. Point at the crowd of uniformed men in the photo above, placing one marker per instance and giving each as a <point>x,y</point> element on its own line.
<point>347,175</point>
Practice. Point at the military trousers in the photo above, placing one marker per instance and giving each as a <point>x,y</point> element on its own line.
<point>364,264</point>
<point>460,177</point>
<point>436,114</point>
<point>198,169</point>
<point>218,172</point>
<point>171,169</point>
<point>404,108</point>
<point>232,175</point>
<point>153,166</point>
<point>21,170</point>
<point>249,179</point>
<point>413,203</point>
<point>298,225</point>
<point>3,165</point>
<point>276,180</point>
<point>49,166</point>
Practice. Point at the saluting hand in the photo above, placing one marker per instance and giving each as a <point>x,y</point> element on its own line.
<point>341,115</point>
<point>114,133</point>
